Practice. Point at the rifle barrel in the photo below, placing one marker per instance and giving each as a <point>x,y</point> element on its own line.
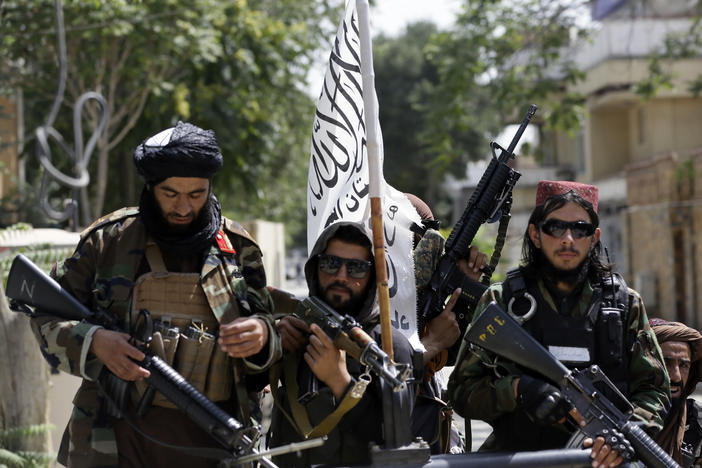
<point>517,136</point>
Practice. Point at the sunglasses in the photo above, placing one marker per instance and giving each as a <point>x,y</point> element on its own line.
<point>557,228</point>
<point>330,264</point>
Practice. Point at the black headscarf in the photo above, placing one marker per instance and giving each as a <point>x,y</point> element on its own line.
<point>181,151</point>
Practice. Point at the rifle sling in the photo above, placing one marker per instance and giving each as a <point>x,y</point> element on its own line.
<point>499,241</point>
<point>299,419</point>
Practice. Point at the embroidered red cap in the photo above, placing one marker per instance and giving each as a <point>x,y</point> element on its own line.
<point>551,188</point>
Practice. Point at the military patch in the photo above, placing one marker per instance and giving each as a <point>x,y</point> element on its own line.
<point>224,244</point>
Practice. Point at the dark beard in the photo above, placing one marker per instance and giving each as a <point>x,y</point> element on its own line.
<point>350,306</point>
<point>554,275</point>
<point>676,401</point>
<point>197,236</point>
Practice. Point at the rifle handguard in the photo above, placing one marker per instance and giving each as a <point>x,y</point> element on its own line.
<point>348,335</point>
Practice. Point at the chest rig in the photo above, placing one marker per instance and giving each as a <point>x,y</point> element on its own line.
<point>578,340</point>
<point>185,329</point>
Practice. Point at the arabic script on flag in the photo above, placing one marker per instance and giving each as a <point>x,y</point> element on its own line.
<point>338,174</point>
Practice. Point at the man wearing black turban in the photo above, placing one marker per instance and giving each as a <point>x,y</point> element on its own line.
<point>201,278</point>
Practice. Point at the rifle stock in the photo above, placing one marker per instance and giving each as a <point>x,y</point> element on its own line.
<point>28,284</point>
<point>497,332</point>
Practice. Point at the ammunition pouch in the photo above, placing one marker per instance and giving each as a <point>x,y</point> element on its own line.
<point>185,332</point>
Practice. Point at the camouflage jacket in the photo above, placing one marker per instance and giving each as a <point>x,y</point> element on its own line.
<point>477,392</point>
<point>427,254</point>
<point>100,274</point>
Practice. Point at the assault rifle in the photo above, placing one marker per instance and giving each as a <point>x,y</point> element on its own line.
<point>348,335</point>
<point>28,285</point>
<point>500,334</point>
<point>491,200</point>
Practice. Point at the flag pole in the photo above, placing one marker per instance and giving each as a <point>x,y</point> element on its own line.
<point>370,105</point>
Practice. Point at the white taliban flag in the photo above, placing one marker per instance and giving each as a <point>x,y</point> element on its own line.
<point>338,179</point>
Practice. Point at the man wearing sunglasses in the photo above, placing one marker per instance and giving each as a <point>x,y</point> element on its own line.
<point>341,271</point>
<point>573,303</point>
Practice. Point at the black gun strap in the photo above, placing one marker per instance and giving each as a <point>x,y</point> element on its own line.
<point>202,452</point>
<point>499,242</point>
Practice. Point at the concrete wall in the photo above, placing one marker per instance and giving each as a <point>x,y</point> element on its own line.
<point>270,237</point>
<point>664,218</point>
<point>609,141</point>
<point>664,125</point>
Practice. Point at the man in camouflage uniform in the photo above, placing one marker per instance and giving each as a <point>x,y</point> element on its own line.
<point>558,294</point>
<point>681,436</point>
<point>201,277</point>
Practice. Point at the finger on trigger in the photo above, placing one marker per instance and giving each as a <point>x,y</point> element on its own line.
<point>575,414</point>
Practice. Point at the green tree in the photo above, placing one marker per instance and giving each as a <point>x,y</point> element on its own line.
<point>235,66</point>
<point>406,84</point>
<point>444,94</point>
<point>500,57</point>
<point>676,46</point>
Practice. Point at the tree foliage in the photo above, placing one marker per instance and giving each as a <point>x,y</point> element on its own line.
<point>444,94</point>
<point>502,56</point>
<point>237,67</point>
<point>677,45</point>
<point>405,81</point>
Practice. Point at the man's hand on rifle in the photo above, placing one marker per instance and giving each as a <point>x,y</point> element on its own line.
<point>602,454</point>
<point>243,337</point>
<point>293,332</point>
<point>327,361</point>
<point>472,265</point>
<point>542,402</point>
<point>112,348</point>
<point>442,331</point>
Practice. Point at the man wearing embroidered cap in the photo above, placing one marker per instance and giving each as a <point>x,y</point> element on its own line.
<point>582,312</point>
<point>201,278</point>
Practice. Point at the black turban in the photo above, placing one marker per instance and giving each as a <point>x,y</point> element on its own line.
<point>181,151</point>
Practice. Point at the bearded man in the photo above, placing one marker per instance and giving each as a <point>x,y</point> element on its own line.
<point>341,272</point>
<point>681,436</point>
<point>201,278</point>
<point>582,312</point>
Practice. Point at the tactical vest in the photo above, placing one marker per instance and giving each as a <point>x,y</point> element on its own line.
<point>595,338</point>
<point>185,329</point>
<point>598,337</point>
